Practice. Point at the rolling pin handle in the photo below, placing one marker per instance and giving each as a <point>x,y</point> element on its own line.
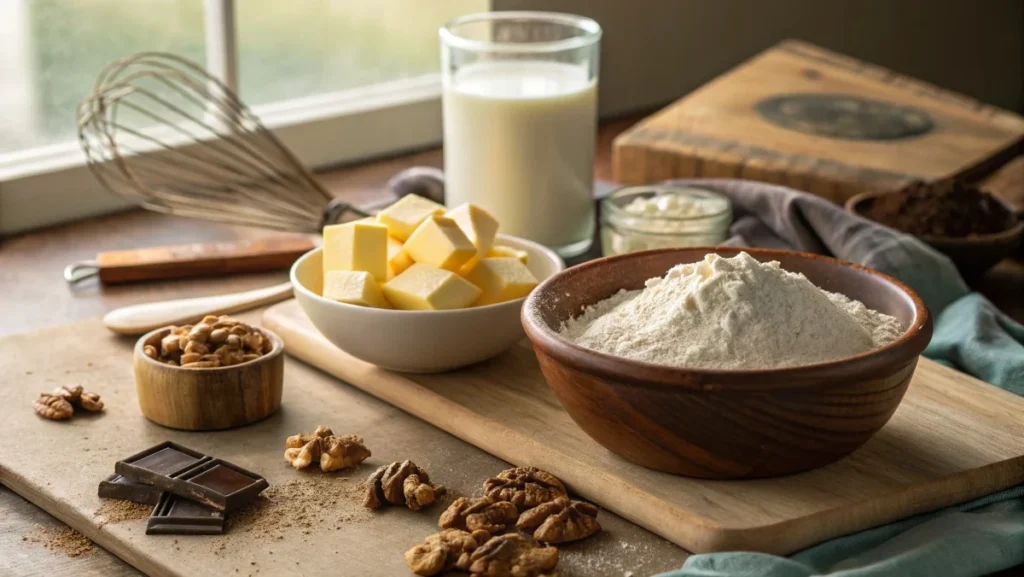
<point>81,270</point>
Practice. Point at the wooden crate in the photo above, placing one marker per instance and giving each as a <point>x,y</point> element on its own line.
<point>802,116</point>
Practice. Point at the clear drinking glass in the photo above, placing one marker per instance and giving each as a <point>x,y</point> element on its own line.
<point>520,122</point>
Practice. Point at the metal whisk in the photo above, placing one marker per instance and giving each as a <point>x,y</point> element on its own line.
<point>160,131</point>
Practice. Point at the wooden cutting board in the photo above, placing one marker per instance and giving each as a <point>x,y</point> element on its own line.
<point>818,121</point>
<point>58,465</point>
<point>953,438</point>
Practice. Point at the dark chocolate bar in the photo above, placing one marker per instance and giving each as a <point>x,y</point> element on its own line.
<point>190,474</point>
<point>159,462</point>
<point>118,487</point>
<point>174,515</point>
<point>221,485</point>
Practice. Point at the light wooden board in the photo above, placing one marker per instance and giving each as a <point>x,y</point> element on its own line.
<point>57,466</point>
<point>717,130</point>
<point>953,438</point>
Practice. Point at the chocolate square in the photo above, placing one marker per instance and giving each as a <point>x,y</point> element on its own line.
<point>175,515</point>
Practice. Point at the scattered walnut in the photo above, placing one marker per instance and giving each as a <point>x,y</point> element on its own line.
<point>560,521</point>
<point>53,407</point>
<point>479,513</point>
<point>524,487</point>
<point>212,342</point>
<point>401,484</point>
<point>510,555</point>
<point>440,551</point>
<point>70,393</point>
<point>60,404</point>
<point>342,451</point>
<point>332,451</point>
<point>91,402</point>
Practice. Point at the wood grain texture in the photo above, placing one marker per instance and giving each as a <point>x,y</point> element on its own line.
<point>1008,183</point>
<point>725,424</point>
<point>952,439</point>
<point>209,399</point>
<point>202,259</point>
<point>64,482</point>
<point>19,558</point>
<point>717,130</point>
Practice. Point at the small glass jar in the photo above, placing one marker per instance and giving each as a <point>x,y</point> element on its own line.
<point>647,217</point>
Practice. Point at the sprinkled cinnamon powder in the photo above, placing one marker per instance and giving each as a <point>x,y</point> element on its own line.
<point>118,511</point>
<point>62,539</point>
<point>324,502</point>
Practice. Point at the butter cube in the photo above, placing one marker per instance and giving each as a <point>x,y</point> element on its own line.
<point>501,279</point>
<point>354,288</point>
<point>409,212</point>
<point>507,251</point>
<point>440,242</point>
<point>359,246</point>
<point>424,287</point>
<point>480,228</point>
<point>398,260</point>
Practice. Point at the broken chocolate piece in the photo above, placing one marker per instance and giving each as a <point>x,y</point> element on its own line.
<point>174,515</point>
<point>162,460</point>
<point>118,487</point>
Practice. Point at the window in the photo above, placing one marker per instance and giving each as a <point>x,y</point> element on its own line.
<point>337,80</point>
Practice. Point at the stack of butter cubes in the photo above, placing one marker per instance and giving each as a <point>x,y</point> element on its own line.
<point>415,255</point>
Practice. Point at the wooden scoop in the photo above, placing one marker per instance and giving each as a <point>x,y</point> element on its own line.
<point>142,318</point>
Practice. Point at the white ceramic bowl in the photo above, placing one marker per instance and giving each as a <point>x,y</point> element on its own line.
<point>418,341</point>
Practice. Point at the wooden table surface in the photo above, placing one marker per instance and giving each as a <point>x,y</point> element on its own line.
<point>35,295</point>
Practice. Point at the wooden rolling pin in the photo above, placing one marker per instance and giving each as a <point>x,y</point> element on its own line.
<point>188,260</point>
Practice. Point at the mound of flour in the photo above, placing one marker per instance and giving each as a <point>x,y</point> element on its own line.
<point>731,313</point>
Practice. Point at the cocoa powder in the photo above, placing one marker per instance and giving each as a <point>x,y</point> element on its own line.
<point>945,208</point>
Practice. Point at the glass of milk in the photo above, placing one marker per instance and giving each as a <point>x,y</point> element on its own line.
<point>520,122</point>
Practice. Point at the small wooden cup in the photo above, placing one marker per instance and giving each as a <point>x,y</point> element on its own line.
<point>209,399</point>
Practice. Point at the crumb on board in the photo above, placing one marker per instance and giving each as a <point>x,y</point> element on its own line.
<point>119,511</point>
<point>62,539</point>
<point>324,502</point>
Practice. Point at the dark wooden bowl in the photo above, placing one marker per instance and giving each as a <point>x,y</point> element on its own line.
<point>972,255</point>
<point>721,424</point>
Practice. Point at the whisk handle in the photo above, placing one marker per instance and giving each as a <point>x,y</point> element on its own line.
<point>199,259</point>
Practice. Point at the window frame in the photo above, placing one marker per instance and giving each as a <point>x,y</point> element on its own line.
<point>52,184</point>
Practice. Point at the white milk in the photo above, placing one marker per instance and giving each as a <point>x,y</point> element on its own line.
<point>519,141</point>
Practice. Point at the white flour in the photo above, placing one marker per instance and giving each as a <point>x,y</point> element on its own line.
<point>731,313</point>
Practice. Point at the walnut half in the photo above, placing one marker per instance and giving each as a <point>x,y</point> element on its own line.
<point>53,407</point>
<point>509,555</point>
<point>332,451</point>
<point>479,513</point>
<point>60,404</point>
<point>524,487</point>
<point>560,521</point>
<point>401,484</point>
<point>342,451</point>
<point>440,551</point>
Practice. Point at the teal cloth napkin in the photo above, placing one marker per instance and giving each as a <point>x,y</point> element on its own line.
<point>975,538</point>
<point>971,335</point>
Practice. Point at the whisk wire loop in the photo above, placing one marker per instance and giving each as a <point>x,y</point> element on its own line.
<point>160,131</point>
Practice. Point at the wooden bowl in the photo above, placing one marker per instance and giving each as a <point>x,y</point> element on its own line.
<point>725,424</point>
<point>972,255</point>
<point>209,399</point>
